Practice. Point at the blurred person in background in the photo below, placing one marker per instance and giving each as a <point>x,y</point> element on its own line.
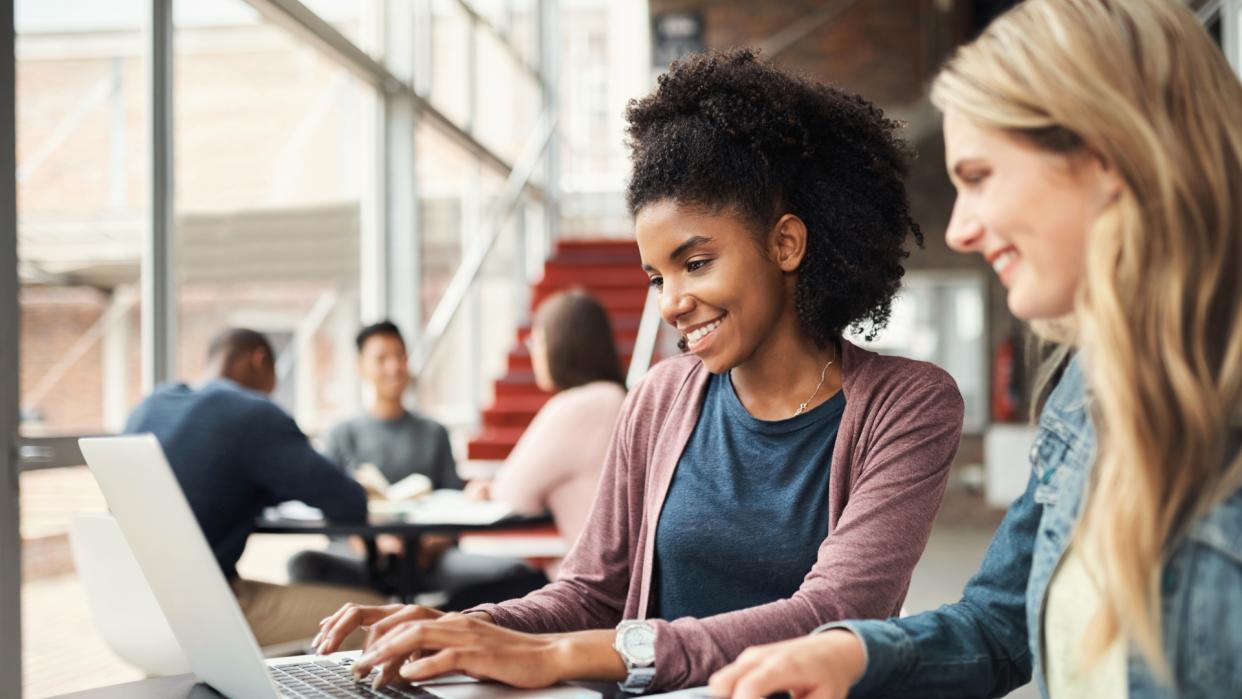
<point>388,437</point>
<point>556,464</point>
<point>235,452</point>
<point>1096,148</point>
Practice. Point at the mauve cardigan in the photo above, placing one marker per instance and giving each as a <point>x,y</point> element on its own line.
<point>898,436</point>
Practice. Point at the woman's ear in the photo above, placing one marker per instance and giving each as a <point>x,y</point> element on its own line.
<point>789,242</point>
<point>1108,181</point>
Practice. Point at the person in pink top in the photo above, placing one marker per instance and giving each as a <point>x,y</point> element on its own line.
<point>556,464</point>
<point>776,476</point>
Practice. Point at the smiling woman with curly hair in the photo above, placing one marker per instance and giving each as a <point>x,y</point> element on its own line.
<point>774,477</point>
<point>730,133</point>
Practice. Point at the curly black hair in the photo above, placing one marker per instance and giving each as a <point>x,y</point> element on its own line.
<point>727,132</point>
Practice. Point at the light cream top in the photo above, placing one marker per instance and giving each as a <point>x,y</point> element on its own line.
<point>1073,598</point>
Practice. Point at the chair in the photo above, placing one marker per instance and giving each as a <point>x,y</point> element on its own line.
<point>121,602</point>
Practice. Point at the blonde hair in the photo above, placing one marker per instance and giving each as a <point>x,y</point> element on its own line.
<point>1158,318</point>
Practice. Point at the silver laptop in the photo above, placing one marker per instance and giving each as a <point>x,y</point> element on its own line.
<point>172,552</point>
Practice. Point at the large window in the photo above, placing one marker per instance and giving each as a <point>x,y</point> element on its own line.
<point>273,147</point>
<point>292,159</point>
<point>82,185</point>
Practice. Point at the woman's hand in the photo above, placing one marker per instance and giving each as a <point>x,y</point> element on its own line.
<point>377,619</point>
<point>479,489</point>
<point>419,649</point>
<point>823,666</point>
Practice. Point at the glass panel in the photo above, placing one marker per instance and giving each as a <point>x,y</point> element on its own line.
<point>939,318</point>
<point>508,99</point>
<point>450,61</point>
<point>273,152</point>
<point>456,382</point>
<point>81,187</point>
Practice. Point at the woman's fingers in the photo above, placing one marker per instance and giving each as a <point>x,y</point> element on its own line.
<point>434,665</point>
<point>335,628</point>
<point>410,639</point>
<point>387,672</point>
<point>722,681</point>
<point>412,612</point>
<point>822,666</point>
<point>763,679</point>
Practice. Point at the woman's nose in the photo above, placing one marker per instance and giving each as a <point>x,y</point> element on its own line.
<point>674,303</point>
<point>964,232</point>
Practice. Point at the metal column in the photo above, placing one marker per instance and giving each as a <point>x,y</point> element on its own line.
<point>159,307</point>
<point>10,535</point>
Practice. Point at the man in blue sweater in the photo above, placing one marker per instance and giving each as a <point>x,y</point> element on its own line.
<point>235,452</point>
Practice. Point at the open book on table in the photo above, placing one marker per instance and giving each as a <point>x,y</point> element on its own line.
<point>413,499</point>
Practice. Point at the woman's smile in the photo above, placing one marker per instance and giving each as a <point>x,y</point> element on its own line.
<point>699,337</point>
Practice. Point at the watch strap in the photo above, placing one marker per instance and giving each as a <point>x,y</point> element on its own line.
<point>639,679</point>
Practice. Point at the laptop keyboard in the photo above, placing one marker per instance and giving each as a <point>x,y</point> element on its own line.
<point>325,678</point>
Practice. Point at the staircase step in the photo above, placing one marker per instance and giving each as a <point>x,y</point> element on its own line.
<point>624,326</point>
<point>493,452</point>
<point>630,257</point>
<point>518,383</point>
<point>508,418</point>
<point>615,301</point>
<point>625,276</point>
<point>494,442</point>
<point>530,403</point>
<point>522,362</point>
<point>612,245</point>
<point>608,269</point>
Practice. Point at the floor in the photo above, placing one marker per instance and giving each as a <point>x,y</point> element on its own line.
<point>63,652</point>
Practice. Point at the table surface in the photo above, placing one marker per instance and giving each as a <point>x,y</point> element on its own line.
<point>391,524</point>
<point>188,687</point>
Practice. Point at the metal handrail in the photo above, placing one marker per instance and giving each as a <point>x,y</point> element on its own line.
<point>467,272</point>
<point>645,342</point>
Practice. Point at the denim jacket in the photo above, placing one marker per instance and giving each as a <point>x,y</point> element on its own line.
<point>989,643</point>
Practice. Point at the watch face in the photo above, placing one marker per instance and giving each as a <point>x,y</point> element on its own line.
<point>639,643</point>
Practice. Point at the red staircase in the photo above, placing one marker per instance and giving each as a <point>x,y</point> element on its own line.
<point>610,271</point>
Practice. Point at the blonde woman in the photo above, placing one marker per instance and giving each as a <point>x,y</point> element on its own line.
<point>1097,152</point>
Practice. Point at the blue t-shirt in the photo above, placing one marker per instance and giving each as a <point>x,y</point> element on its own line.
<point>747,509</point>
<point>234,452</point>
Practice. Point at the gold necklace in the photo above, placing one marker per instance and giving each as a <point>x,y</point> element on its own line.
<point>802,406</point>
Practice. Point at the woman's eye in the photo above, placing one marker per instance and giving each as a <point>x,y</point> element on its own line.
<point>657,282</point>
<point>696,265</point>
<point>973,178</point>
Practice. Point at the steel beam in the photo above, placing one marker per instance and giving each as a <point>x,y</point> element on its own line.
<point>10,533</point>
<point>159,301</point>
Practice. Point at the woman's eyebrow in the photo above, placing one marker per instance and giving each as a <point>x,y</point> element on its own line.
<point>692,242</point>
<point>683,249</point>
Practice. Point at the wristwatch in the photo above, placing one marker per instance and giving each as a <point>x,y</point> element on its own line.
<point>635,643</point>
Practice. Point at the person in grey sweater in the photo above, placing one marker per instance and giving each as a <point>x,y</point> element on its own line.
<point>399,444</point>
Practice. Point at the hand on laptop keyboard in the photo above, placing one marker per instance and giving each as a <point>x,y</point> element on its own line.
<point>378,619</point>
<point>420,650</point>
